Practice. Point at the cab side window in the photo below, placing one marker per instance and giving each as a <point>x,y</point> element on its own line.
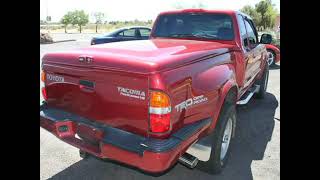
<point>252,38</point>
<point>120,34</point>
<point>243,32</point>
<point>129,33</point>
<point>145,32</point>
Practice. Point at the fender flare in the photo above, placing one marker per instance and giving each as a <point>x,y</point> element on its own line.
<point>225,90</point>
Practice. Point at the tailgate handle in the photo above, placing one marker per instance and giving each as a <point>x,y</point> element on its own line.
<point>86,86</point>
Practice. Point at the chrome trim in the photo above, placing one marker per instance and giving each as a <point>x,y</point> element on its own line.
<point>252,78</point>
<point>86,59</point>
<point>153,110</point>
<point>247,99</point>
<point>77,136</point>
<point>189,160</point>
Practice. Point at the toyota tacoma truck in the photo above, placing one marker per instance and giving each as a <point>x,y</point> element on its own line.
<point>152,103</point>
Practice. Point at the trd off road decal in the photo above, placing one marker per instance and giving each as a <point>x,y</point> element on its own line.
<point>55,78</point>
<point>132,93</point>
<point>190,102</point>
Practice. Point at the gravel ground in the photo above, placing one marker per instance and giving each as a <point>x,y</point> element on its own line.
<point>76,36</point>
<point>255,154</point>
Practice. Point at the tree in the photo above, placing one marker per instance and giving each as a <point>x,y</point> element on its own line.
<point>99,17</point>
<point>178,5</point>
<point>77,17</point>
<point>251,11</point>
<point>268,13</point>
<point>80,18</point>
<point>263,14</point>
<point>199,5</point>
<point>66,19</point>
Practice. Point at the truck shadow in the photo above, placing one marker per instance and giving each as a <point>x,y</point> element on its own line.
<point>274,67</point>
<point>254,130</point>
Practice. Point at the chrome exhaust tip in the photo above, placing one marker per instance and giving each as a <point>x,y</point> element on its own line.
<point>188,160</point>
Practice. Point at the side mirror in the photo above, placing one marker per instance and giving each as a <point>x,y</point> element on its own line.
<point>266,39</point>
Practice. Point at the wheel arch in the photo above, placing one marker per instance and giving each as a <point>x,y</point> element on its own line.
<point>229,93</point>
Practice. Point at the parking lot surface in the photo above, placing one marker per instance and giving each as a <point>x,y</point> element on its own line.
<point>255,154</point>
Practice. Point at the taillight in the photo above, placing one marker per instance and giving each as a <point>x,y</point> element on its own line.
<point>43,89</point>
<point>43,76</point>
<point>44,93</point>
<point>159,110</point>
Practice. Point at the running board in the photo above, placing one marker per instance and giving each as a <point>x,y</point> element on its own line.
<point>247,96</point>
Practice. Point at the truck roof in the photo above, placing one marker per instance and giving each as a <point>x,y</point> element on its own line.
<point>229,12</point>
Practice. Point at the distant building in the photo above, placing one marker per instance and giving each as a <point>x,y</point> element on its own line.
<point>277,24</point>
<point>276,27</point>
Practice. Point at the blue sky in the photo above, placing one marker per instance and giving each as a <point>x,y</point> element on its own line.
<point>133,9</point>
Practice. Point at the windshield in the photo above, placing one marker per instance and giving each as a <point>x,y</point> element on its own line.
<point>198,25</point>
<point>106,34</point>
<point>113,33</point>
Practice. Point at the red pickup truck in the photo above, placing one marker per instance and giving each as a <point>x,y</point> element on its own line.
<point>153,103</point>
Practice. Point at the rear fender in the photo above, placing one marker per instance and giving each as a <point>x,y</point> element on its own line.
<point>228,92</point>
<point>202,148</point>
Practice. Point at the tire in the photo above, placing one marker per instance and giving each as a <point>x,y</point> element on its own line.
<point>263,83</point>
<point>217,161</point>
<point>271,57</point>
<point>83,154</point>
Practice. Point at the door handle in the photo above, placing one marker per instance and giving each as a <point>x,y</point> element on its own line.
<point>86,86</point>
<point>86,89</point>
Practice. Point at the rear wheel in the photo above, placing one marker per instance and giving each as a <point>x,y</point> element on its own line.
<point>83,154</point>
<point>221,141</point>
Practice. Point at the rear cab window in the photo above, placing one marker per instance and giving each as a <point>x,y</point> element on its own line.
<point>213,26</point>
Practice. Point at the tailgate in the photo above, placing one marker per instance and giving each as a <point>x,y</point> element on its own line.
<point>117,99</point>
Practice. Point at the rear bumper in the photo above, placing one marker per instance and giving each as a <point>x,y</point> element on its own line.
<point>148,154</point>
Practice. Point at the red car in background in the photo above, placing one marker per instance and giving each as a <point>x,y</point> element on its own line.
<point>273,54</point>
